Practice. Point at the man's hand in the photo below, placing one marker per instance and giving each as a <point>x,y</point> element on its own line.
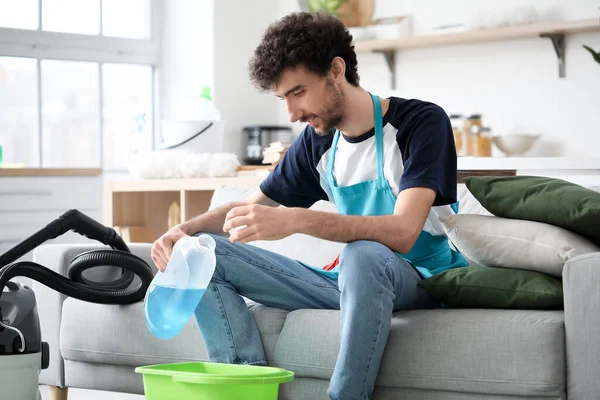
<point>258,222</point>
<point>163,246</point>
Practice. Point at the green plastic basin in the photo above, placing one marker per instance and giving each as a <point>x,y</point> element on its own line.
<point>212,381</point>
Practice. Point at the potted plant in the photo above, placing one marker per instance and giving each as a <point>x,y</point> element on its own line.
<point>595,55</point>
<point>353,13</point>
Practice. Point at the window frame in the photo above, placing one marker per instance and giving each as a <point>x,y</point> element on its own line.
<point>40,45</point>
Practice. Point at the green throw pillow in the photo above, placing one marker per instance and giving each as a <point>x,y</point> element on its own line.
<point>534,198</point>
<point>488,287</point>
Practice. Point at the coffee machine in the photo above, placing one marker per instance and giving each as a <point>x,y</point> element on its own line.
<point>258,138</point>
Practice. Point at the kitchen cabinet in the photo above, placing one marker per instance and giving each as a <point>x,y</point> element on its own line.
<point>30,198</point>
<point>141,207</point>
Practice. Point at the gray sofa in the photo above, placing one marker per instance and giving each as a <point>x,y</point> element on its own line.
<point>430,354</point>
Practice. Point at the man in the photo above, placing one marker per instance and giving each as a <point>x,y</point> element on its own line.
<point>389,165</point>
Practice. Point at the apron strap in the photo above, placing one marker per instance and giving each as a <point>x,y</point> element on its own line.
<point>331,162</point>
<point>378,136</point>
<point>378,144</point>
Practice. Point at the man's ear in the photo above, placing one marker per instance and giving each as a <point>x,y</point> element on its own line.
<point>338,69</point>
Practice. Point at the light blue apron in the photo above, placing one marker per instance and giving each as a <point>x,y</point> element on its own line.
<point>430,254</point>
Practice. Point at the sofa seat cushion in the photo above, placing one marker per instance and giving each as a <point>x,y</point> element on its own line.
<point>516,352</point>
<point>117,334</point>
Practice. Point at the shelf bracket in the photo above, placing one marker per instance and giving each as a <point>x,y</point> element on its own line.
<point>390,60</point>
<point>558,41</point>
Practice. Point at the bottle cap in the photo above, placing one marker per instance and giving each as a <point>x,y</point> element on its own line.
<point>206,241</point>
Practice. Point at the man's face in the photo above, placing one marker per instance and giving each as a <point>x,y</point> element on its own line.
<point>311,98</point>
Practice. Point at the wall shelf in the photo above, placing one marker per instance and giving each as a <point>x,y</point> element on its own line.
<point>555,31</point>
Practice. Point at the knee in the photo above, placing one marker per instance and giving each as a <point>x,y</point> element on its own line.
<point>363,258</point>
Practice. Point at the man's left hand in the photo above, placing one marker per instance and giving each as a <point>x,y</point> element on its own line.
<point>258,222</point>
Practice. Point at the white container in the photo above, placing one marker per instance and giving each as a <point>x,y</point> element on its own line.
<point>198,127</point>
<point>392,28</point>
<point>174,294</point>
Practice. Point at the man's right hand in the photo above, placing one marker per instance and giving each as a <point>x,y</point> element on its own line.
<point>163,246</point>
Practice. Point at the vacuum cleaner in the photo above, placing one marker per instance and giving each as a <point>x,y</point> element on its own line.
<point>23,354</point>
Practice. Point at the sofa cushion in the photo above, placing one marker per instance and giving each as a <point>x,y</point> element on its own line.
<point>550,200</point>
<point>321,252</point>
<point>117,334</point>
<point>489,287</point>
<point>519,353</point>
<point>515,243</point>
<point>467,203</point>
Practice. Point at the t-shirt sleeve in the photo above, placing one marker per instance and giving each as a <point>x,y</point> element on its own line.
<point>429,154</point>
<point>295,182</point>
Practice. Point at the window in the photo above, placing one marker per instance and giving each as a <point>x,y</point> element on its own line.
<point>22,14</point>
<point>77,81</point>
<point>19,110</point>
<point>69,113</point>
<point>127,107</point>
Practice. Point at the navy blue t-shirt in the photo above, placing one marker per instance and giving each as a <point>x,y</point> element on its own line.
<point>419,151</point>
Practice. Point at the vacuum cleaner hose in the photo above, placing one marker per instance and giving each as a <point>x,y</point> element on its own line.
<point>118,291</point>
<point>76,286</point>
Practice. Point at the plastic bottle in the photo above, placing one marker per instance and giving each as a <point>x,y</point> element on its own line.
<point>174,294</point>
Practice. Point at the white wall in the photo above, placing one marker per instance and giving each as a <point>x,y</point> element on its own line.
<point>209,42</point>
<point>514,84</point>
<point>187,48</point>
<point>239,25</point>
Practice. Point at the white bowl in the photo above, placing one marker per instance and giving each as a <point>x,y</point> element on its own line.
<point>514,144</point>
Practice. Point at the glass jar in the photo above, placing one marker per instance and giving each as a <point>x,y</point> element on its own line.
<point>456,120</point>
<point>471,132</point>
<point>484,143</point>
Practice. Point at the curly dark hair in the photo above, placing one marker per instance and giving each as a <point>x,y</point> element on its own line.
<point>309,39</point>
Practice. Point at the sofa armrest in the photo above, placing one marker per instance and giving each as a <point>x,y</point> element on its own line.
<point>581,279</point>
<point>57,257</point>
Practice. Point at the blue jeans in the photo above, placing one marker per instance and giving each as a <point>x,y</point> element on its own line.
<point>373,282</point>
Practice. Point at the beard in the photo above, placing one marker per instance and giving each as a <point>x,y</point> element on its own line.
<point>333,113</point>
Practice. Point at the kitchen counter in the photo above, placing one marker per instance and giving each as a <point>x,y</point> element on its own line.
<point>18,171</point>
<point>528,163</point>
<point>464,164</point>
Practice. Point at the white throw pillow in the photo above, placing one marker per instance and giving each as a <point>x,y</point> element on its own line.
<point>226,194</point>
<point>467,203</point>
<point>512,243</point>
<point>304,248</point>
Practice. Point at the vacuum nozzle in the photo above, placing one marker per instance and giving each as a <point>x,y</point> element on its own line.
<point>92,229</point>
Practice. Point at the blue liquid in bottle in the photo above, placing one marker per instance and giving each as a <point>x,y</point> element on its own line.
<point>170,309</point>
<point>174,294</point>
